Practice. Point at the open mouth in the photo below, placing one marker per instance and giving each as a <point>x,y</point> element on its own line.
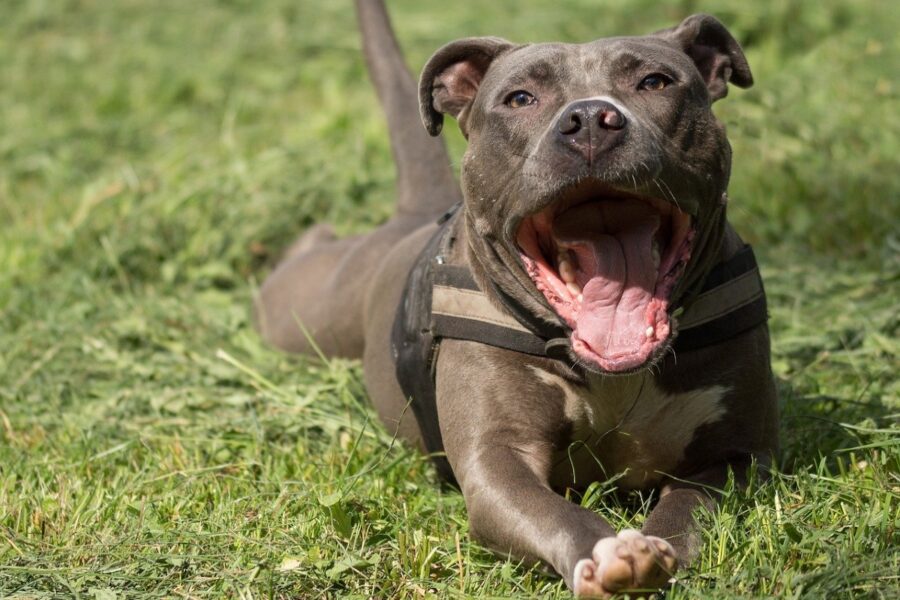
<point>607,262</point>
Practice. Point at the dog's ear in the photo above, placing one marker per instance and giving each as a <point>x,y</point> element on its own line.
<point>718,56</point>
<point>451,78</point>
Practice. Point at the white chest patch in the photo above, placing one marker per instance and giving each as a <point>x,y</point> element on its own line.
<point>630,427</point>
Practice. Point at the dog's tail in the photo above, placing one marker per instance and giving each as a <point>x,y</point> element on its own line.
<point>425,182</point>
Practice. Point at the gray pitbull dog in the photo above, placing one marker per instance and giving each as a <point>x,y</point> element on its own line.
<point>592,208</point>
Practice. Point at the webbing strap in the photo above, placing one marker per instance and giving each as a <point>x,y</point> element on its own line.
<point>731,301</point>
<point>414,346</point>
<point>459,310</point>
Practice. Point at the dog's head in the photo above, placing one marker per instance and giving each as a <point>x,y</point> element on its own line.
<point>594,176</point>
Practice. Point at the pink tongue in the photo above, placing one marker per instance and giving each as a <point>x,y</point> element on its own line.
<point>613,243</point>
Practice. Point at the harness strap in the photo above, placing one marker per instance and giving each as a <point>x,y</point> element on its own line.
<point>459,310</point>
<point>414,347</point>
<point>731,301</point>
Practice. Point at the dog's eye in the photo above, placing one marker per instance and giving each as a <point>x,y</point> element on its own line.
<point>519,99</point>
<point>654,82</point>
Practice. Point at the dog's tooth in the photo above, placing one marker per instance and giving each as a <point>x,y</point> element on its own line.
<point>573,288</point>
<point>650,331</point>
<point>656,258</point>
<point>566,271</point>
<point>580,297</point>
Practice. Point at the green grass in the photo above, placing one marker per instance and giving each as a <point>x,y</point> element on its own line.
<point>155,156</point>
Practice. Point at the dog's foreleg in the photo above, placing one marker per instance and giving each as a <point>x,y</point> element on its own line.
<point>513,510</point>
<point>674,518</point>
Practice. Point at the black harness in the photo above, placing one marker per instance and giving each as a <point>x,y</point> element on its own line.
<point>443,301</point>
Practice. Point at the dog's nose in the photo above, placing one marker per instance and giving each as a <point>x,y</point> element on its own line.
<point>590,127</point>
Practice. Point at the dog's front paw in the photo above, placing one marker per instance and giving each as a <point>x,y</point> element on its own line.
<point>630,561</point>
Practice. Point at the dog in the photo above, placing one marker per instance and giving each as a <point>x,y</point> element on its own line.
<point>576,309</point>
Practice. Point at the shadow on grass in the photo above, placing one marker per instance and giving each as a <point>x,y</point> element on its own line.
<point>815,426</point>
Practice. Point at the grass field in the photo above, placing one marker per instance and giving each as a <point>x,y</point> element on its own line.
<point>156,155</point>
